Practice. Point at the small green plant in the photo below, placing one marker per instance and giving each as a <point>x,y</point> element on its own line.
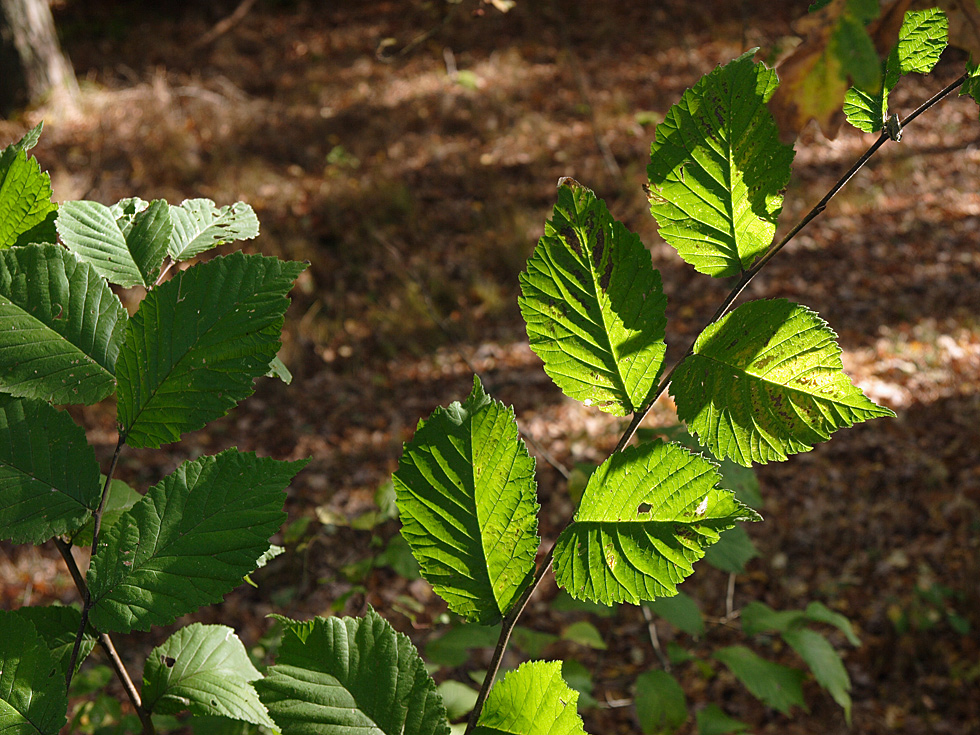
<point>191,351</point>
<point>762,381</point>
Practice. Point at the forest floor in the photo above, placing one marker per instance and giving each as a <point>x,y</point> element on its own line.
<point>416,186</point>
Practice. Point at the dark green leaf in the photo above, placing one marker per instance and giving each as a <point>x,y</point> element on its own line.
<point>824,662</point>
<point>61,327</point>
<point>196,344</point>
<point>681,610</point>
<point>661,706</point>
<point>189,541</point>
<point>713,721</point>
<point>777,686</point>
<point>49,477</point>
<point>32,690</point>
<point>732,552</point>
<point>57,626</point>
<point>351,675</point>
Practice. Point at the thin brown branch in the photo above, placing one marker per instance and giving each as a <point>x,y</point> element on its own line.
<point>225,24</point>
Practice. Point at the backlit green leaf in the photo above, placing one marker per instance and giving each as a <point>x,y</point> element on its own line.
<point>717,169</point>
<point>646,516</point>
<point>26,209</point>
<point>766,381</point>
<point>204,669</point>
<point>777,686</point>
<point>32,690</point>
<point>126,250</point>
<point>467,498</point>
<point>594,306</point>
<point>49,477</point>
<point>189,541</point>
<point>196,344</point>
<point>922,40</point>
<point>532,700</point>
<point>199,225</point>
<point>348,676</point>
<point>60,327</point>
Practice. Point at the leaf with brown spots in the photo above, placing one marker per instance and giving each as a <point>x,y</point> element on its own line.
<point>594,306</point>
<point>766,381</point>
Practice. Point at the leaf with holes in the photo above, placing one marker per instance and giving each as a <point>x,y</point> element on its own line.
<point>197,343</point>
<point>467,500</point>
<point>717,169</point>
<point>61,327</point>
<point>766,380</point>
<point>49,477</point>
<point>189,541</point>
<point>532,700</point>
<point>199,225</point>
<point>348,675</point>
<point>33,700</point>
<point>594,306</point>
<point>204,669</point>
<point>125,250</point>
<point>646,516</point>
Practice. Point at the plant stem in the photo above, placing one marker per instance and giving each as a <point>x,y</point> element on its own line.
<point>106,642</point>
<point>510,621</point>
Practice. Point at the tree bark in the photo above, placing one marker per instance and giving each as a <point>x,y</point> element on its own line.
<point>33,68</point>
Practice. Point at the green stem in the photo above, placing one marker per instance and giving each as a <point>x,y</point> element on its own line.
<point>510,621</point>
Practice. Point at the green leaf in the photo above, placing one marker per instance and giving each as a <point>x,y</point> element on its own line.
<point>32,692</point>
<point>458,698</point>
<point>585,634</point>
<point>855,51</point>
<point>713,721</point>
<point>26,209</point>
<point>922,40</point>
<point>661,706</point>
<point>121,498</point>
<point>594,306</point>
<point>278,369</point>
<point>57,626</point>
<point>777,686</point>
<point>189,541</point>
<point>757,617</point>
<point>732,552</point>
<point>824,662</point>
<point>467,498</point>
<point>681,610</point>
<point>130,258</point>
<point>452,648</point>
<point>348,675</point>
<point>49,476</point>
<point>531,700</point>
<point>199,225</point>
<point>204,669</point>
<point>766,380</point>
<point>866,111</point>
<point>60,327</point>
<point>196,344</point>
<point>717,169</point>
<point>579,677</point>
<point>820,613</point>
<point>646,516</point>
<point>531,642</point>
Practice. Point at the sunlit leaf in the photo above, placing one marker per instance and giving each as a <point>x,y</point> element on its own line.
<point>130,258</point>
<point>200,225</point>
<point>204,669</point>
<point>594,306</point>
<point>765,381</point>
<point>351,675</point>
<point>922,40</point>
<point>189,541</point>
<point>61,327</point>
<point>717,169</point>
<point>467,499</point>
<point>26,210</point>
<point>531,700</point>
<point>49,477</point>
<point>646,516</point>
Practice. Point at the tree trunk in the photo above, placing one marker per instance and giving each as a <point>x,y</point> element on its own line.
<point>33,67</point>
